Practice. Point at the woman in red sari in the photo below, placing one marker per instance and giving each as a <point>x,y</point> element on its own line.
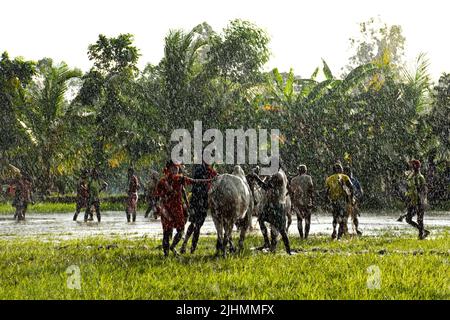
<point>169,191</point>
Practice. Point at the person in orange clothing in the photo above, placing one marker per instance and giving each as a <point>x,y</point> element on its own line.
<point>169,192</point>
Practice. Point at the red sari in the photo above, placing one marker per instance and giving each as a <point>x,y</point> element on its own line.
<point>169,189</point>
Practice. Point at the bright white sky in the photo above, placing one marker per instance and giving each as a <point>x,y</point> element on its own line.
<point>302,32</point>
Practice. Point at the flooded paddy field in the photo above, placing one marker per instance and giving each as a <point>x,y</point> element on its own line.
<point>60,225</point>
<point>118,260</point>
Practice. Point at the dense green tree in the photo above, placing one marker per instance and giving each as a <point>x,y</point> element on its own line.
<point>15,75</point>
<point>374,117</point>
<point>45,117</point>
<point>109,90</point>
<point>439,116</point>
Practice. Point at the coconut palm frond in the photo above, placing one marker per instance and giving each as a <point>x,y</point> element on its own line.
<point>418,83</point>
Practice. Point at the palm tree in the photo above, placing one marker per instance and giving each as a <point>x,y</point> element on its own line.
<point>45,116</point>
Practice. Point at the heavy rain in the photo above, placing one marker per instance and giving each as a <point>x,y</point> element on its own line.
<point>362,153</point>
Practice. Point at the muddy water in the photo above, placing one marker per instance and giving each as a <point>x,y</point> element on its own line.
<point>61,226</point>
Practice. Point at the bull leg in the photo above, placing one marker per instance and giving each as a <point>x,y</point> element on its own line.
<point>243,231</point>
<point>228,237</point>
<point>220,243</point>
<point>189,231</point>
<point>264,232</point>
<point>241,239</point>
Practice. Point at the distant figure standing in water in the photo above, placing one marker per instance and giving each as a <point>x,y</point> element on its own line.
<point>82,194</point>
<point>23,195</point>
<point>133,187</point>
<point>96,185</point>
<point>339,191</point>
<point>301,190</point>
<point>354,202</point>
<point>149,190</point>
<point>416,198</point>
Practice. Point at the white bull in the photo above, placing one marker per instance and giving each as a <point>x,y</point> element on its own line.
<point>230,202</point>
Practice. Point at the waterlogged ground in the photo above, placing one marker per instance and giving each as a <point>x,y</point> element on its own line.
<point>60,226</point>
<point>49,256</point>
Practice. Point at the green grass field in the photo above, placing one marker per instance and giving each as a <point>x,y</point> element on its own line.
<point>135,269</point>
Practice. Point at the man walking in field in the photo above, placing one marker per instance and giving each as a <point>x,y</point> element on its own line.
<point>149,193</point>
<point>198,204</point>
<point>302,195</point>
<point>354,203</point>
<point>274,211</point>
<point>416,198</point>
<point>339,191</point>
<point>133,187</point>
<point>95,186</point>
<point>82,194</point>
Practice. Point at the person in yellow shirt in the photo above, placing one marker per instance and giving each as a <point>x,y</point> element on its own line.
<point>339,191</point>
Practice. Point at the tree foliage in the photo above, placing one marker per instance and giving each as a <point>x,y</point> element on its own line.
<point>374,117</point>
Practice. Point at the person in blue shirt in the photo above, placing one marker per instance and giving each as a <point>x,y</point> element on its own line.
<point>357,196</point>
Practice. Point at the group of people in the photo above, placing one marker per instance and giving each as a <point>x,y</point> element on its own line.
<point>167,198</point>
<point>88,194</point>
<point>344,193</point>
